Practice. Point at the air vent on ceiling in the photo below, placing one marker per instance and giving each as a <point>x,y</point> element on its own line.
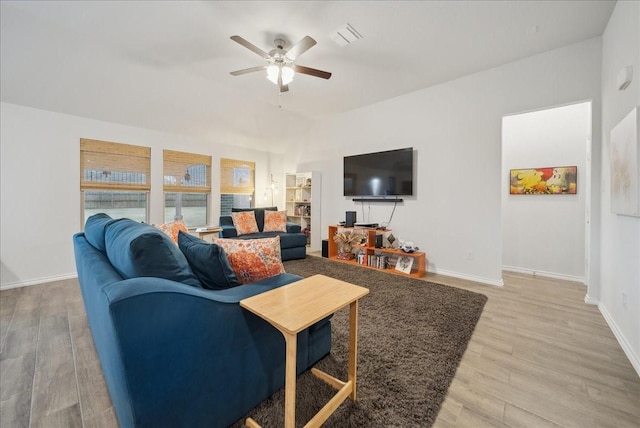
<point>345,35</point>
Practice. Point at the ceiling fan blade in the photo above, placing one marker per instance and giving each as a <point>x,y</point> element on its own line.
<point>248,70</point>
<point>250,46</point>
<point>312,72</point>
<point>281,86</point>
<point>301,47</point>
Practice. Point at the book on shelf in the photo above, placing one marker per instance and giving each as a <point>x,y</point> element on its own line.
<point>392,261</point>
<point>377,261</point>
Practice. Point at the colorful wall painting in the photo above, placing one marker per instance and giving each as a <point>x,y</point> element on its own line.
<point>559,180</point>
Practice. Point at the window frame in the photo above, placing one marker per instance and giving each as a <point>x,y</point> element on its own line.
<point>173,163</point>
<point>109,158</point>
<point>227,187</point>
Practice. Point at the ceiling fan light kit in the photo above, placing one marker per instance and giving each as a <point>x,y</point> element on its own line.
<point>275,72</point>
<point>280,65</point>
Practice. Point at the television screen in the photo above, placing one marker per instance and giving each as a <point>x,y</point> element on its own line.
<point>379,174</point>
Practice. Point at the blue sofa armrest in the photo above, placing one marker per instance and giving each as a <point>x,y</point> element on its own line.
<point>142,285</point>
<point>293,228</point>
<point>188,353</point>
<point>228,229</point>
<point>228,232</point>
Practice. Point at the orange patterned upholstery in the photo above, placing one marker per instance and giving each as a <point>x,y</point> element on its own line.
<point>275,221</point>
<point>172,229</point>
<point>245,222</point>
<point>253,259</point>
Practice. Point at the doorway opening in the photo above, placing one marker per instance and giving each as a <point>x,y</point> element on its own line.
<point>545,230</point>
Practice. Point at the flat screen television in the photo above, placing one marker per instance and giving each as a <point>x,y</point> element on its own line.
<point>388,173</point>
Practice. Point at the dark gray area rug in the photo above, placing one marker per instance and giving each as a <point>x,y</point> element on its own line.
<point>411,337</point>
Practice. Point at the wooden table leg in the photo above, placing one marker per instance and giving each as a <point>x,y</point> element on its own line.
<point>353,346</point>
<point>290,381</point>
<point>291,343</point>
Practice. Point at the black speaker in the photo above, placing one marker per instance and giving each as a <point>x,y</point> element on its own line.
<point>378,240</point>
<point>325,248</point>
<point>351,218</point>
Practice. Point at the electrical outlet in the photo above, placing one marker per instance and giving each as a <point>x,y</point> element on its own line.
<point>470,255</point>
<point>624,301</point>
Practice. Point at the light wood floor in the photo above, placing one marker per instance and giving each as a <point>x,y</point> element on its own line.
<point>539,357</point>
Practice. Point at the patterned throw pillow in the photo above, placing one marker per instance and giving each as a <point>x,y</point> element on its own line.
<point>275,221</point>
<point>172,229</point>
<point>245,222</point>
<point>253,259</point>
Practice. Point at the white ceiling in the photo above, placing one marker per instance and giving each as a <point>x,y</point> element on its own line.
<point>165,65</point>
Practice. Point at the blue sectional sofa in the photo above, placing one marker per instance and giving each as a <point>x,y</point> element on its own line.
<point>293,243</point>
<point>174,354</point>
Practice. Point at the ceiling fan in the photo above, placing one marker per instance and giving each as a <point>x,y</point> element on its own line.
<point>280,65</point>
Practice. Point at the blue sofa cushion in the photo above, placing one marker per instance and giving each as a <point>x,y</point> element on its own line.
<point>259,214</point>
<point>208,262</point>
<point>137,249</point>
<point>94,230</point>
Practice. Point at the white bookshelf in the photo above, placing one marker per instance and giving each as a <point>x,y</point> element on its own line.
<point>302,205</point>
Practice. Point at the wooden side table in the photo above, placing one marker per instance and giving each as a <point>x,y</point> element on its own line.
<point>294,307</point>
<point>208,231</point>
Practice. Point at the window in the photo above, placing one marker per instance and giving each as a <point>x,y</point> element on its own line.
<point>237,184</point>
<point>187,184</point>
<point>114,179</point>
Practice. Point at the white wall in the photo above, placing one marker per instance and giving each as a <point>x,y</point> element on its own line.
<point>545,234</point>
<point>40,185</point>
<point>455,128</point>
<point>620,235</point>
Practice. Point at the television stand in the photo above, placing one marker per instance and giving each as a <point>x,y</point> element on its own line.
<point>385,259</point>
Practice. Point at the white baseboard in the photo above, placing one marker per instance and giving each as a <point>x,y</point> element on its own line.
<point>545,274</point>
<point>590,300</point>
<point>628,350</point>
<point>17,284</point>
<point>498,283</point>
